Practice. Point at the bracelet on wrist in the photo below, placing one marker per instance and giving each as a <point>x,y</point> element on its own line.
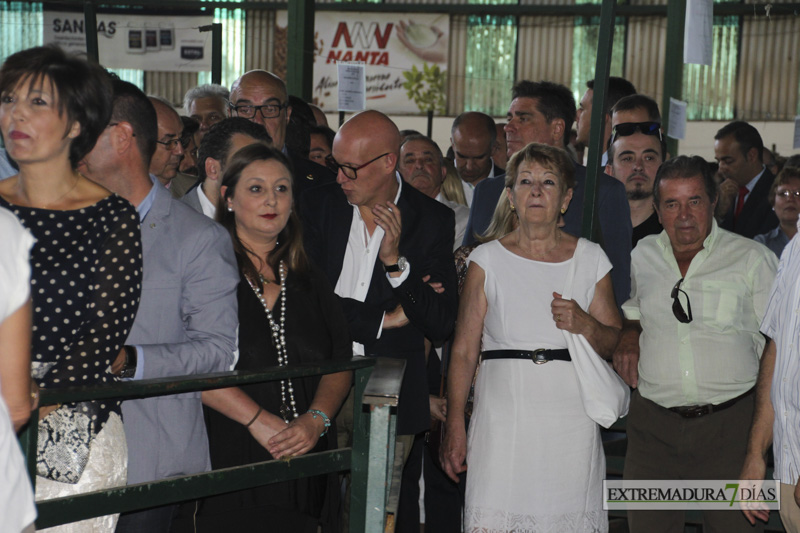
<point>254,418</point>
<point>325,419</point>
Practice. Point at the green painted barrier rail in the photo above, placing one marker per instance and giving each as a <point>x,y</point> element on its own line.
<point>377,383</point>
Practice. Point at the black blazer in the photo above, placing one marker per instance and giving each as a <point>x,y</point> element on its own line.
<point>757,216</point>
<point>426,242</point>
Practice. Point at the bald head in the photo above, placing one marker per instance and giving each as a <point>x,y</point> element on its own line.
<point>371,141</point>
<point>167,158</point>
<point>473,138</point>
<point>261,97</point>
<point>372,130</point>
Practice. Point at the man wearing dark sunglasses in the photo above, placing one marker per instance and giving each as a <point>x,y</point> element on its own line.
<point>691,344</point>
<point>634,156</point>
<point>744,192</point>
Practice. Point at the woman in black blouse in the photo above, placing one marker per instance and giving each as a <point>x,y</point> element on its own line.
<point>86,264</point>
<point>288,314</point>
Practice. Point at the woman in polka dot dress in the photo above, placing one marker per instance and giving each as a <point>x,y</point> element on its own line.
<point>86,264</point>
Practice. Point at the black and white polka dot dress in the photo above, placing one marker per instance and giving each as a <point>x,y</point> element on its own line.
<point>85,285</point>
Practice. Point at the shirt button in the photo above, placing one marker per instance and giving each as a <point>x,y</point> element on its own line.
<point>686,373</point>
<point>362,283</point>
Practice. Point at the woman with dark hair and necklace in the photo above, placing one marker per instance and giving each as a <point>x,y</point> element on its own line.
<point>288,314</point>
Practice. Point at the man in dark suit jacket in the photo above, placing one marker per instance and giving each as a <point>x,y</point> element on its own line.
<point>261,97</point>
<point>743,205</point>
<point>544,112</point>
<point>377,240</point>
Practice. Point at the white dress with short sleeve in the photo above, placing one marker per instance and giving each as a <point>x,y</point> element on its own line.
<point>535,459</point>
<point>16,497</point>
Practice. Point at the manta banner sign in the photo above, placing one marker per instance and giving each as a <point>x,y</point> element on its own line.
<point>405,57</point>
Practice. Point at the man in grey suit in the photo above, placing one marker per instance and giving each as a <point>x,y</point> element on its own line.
<point>187,317</point>
<point>223,139</point>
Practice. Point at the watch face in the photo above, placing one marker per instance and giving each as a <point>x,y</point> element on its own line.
<point>402,263</point>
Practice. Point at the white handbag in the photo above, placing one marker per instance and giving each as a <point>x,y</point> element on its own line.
<point>605,396</point>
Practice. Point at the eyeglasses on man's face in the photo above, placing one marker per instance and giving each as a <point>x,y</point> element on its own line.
<point>348,171</point>
<point>677,309</point>
<point>272,110</point>
<point>171,144</point>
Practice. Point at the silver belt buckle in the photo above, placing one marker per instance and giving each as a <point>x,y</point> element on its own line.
<point>539,357</point>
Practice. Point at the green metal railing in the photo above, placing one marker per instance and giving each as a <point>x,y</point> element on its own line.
<point>377,384</point>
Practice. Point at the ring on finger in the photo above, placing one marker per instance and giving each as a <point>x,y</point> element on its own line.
<point>558,318</point>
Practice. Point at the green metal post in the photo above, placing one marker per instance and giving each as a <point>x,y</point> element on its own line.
<point>300,61</point>
<point>673,64</point>
<point>597,141</point>
<point>90,27</point>
<point>216,50</point>
<point>381,457</point>
<point>360,460</point>
<point>216,53</point>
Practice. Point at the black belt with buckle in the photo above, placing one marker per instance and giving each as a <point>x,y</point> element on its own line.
<point>539,357</point>
<point>696,411</point>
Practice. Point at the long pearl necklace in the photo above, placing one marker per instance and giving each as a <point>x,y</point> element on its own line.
<point>279,340</point>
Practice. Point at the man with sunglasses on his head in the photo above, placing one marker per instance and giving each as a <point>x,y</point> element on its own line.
<point>261,97</point>
<point>381,242</point>
<point>691,345</point>
<point>635,153</point>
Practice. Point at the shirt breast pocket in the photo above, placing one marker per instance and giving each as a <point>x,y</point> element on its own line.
<point>722,305</point>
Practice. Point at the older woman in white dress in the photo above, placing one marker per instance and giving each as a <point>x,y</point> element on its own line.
<point>535,458</point>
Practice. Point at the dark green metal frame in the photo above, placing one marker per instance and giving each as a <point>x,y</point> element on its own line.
<point>366,454</point>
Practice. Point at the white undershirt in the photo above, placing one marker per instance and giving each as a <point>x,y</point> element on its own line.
<point>359,262</point>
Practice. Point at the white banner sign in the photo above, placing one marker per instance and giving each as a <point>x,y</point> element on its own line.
<point>405,58</point>
<point>146,42</point>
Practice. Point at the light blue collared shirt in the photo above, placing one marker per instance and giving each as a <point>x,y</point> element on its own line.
<point>143,209</point>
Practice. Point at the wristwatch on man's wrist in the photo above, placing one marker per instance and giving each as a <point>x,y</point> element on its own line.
<point>400,266</point>
<point>131,359</point>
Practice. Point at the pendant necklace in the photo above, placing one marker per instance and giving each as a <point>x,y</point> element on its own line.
<point>279,340</point>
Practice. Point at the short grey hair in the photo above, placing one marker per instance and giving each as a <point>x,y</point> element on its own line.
<point>208,90</point>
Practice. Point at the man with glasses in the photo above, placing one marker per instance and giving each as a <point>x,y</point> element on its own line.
<point>380,242</point>
<point>261,97</point>
<point>691,344</point>
<point>169,150</point>
<point>744,191</point>
<point>636,152</point>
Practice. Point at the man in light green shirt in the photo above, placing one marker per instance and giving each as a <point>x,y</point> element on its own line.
<point>691,344</point>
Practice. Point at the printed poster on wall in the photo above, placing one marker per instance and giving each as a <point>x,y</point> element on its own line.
<point>146,42</point>
<point>405,56</point>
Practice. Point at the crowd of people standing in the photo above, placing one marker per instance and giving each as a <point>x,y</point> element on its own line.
<point>248,234</point>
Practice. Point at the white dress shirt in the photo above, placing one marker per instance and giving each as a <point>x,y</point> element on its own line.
<point>782,324</point>
<point>209,209</point>
<point>715,357</point>
<point>359,262</point>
